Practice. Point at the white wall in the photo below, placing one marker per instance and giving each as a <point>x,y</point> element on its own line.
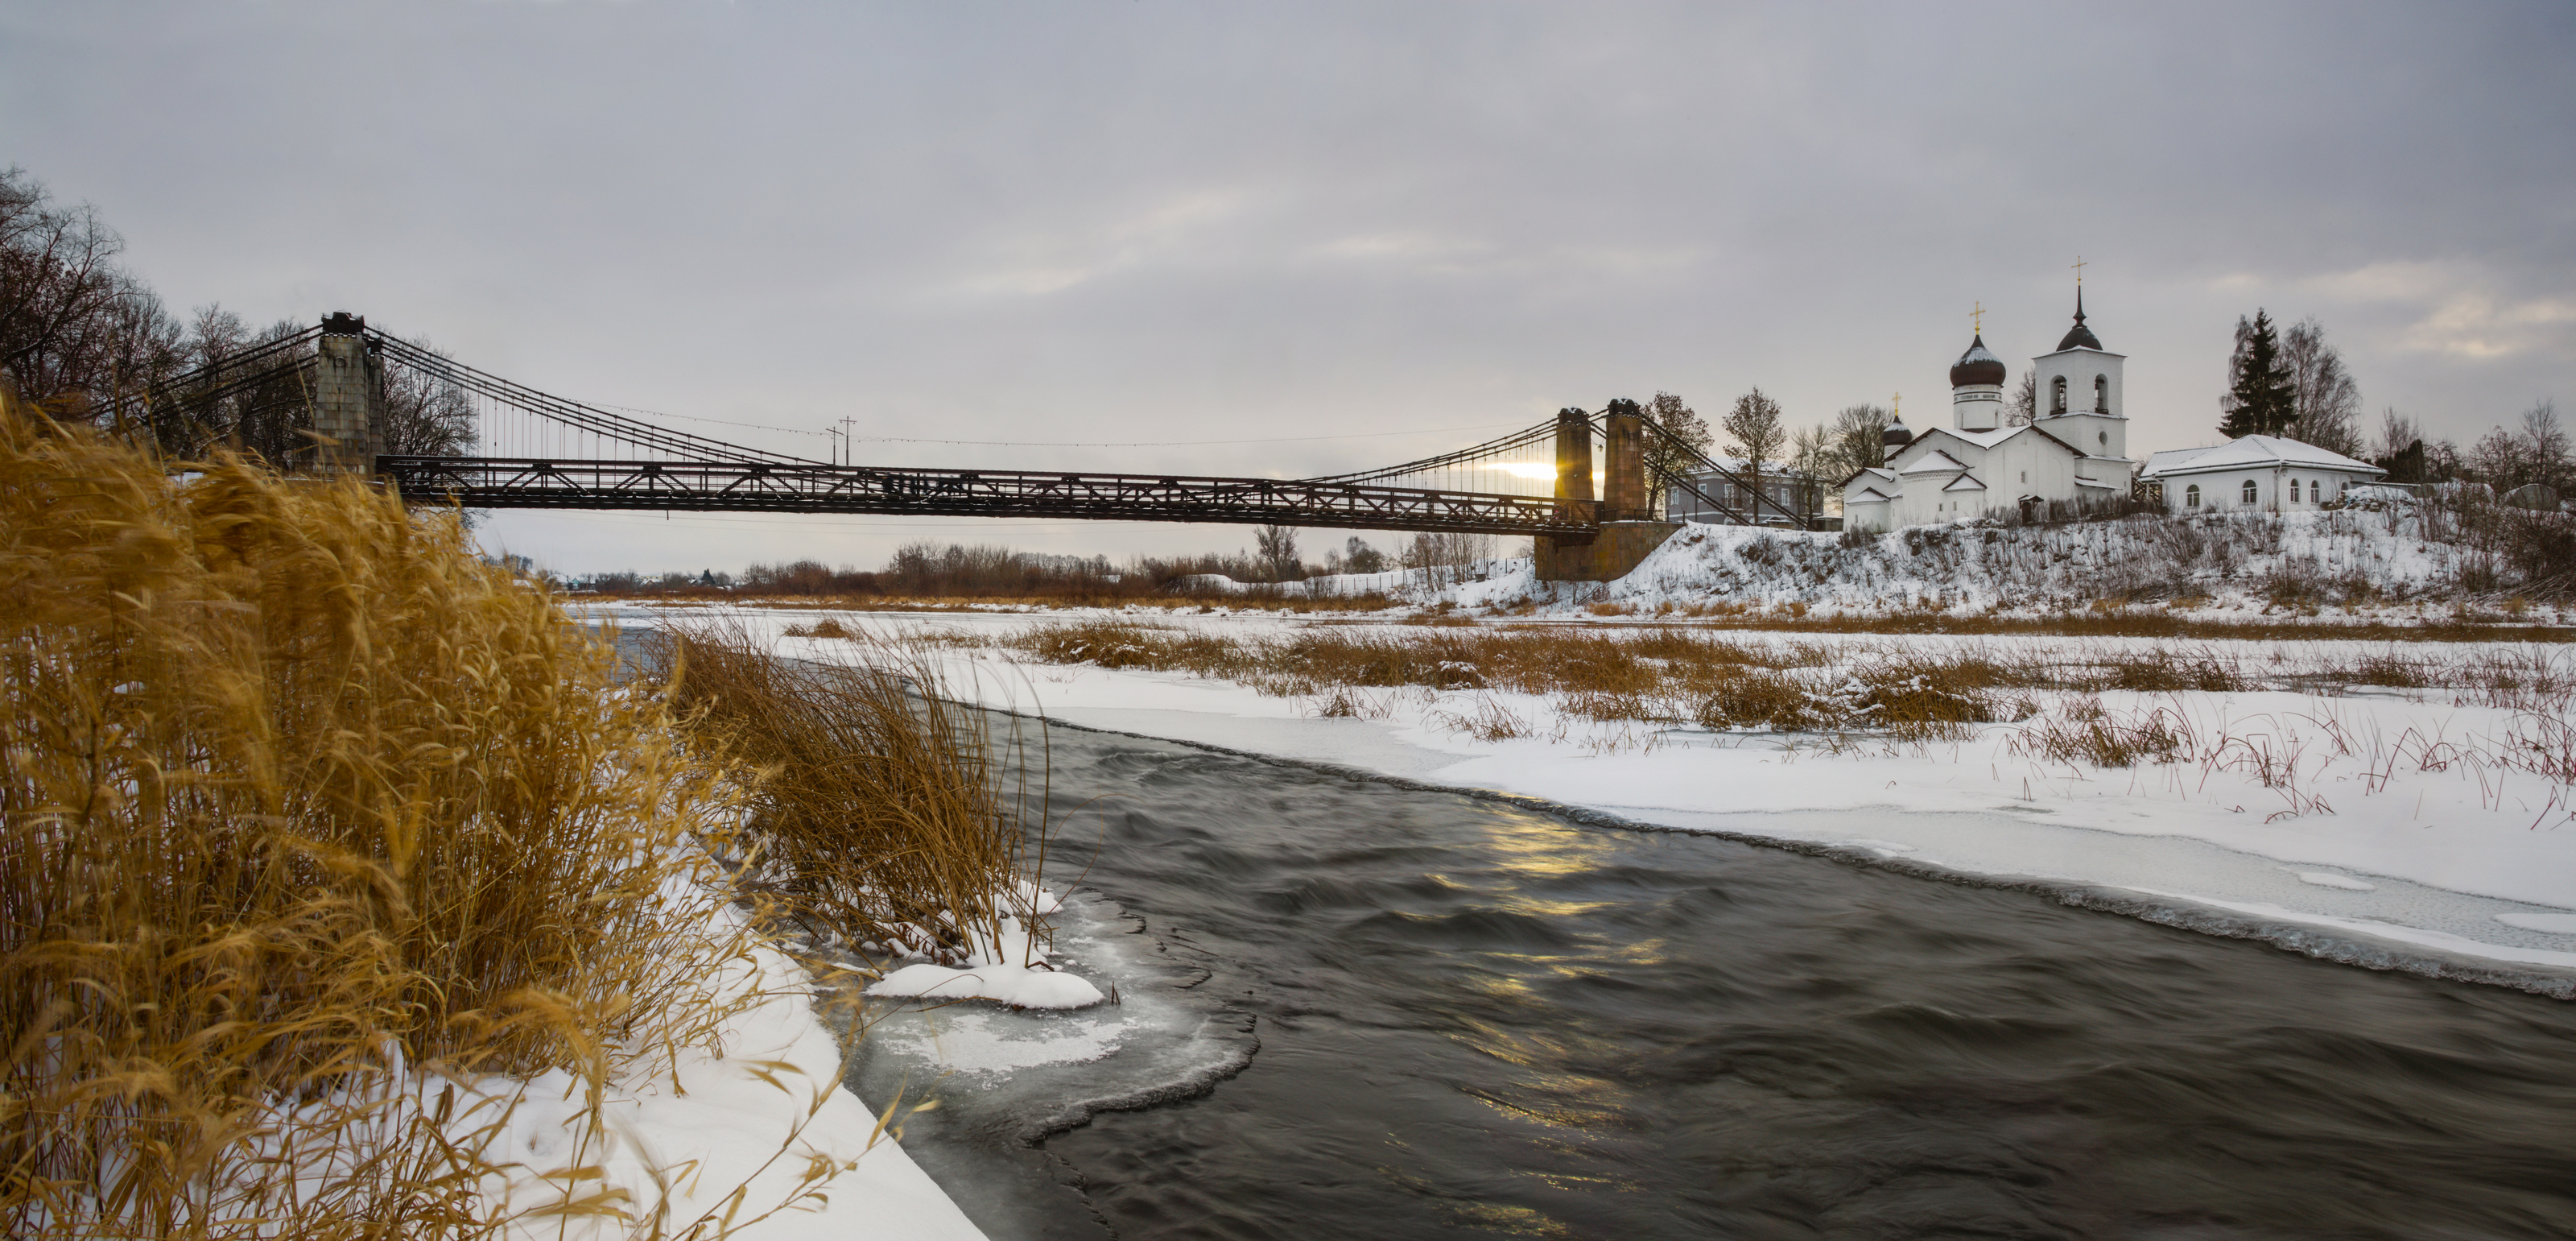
<point>2224,490</point>
<point>2089,434</point>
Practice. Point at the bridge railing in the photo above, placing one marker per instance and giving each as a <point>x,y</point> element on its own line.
<point>807,487</point>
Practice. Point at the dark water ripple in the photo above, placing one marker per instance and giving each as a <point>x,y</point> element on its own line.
<point>1482,1021</point>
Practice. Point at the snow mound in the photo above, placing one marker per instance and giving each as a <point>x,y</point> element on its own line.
<point>1018,986</point>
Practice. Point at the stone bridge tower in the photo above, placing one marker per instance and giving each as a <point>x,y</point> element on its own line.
<point>1629,530</point>
<point>348,398</point>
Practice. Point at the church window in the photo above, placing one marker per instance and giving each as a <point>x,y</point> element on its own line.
<point>2191,496</point>
<point>2103,436</point>
<point>2102,394</point>
<point>2025,476</point>
<point>2249,491</point>
<point>2057,395</point>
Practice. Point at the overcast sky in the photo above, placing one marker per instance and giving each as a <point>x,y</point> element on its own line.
<point>1153,221</point>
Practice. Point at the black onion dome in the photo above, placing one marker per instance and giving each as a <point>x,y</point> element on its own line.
<point>1977,366</point>
<point>2079,336</point>
<point>1895,436</point>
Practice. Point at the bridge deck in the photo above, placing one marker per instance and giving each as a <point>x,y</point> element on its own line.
<point>773,487</point>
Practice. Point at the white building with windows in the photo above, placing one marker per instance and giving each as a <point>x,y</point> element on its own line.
<point>2263,473</point>
<point>1716,499</point>
<point>2074,452</point>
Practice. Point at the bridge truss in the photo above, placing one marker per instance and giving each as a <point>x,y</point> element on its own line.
<point>815,487</point>
<point>556,453</point>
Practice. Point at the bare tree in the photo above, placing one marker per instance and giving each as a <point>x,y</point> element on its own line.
<point>1359,557</point>
<point>2324,397</point>
<point>2500,459</point>
<point>75,329</point>
<point>2396,433</point>
<point>1277,548</point>
<point>2544,446</point>
<point>1753,428</point>
<point>2023,408</point>
<point>1815,454</point>
<point>1443,557</point>
<point>1859,439</point>
<point>425,415</point>
<point>1675,453</point>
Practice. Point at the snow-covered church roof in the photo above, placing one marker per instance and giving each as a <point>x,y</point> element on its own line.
<point>1978,365</point>
<point>1935,462</point>
<point>2260,452</point>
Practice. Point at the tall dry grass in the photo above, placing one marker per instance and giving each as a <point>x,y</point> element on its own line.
<point>1674,675</point>
<point>301,802</point>
<point>889,820</point>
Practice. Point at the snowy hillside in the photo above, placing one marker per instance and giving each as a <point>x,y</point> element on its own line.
<point>2300,562</point>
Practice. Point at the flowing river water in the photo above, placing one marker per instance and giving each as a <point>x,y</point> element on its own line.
<point>1356,1010</point>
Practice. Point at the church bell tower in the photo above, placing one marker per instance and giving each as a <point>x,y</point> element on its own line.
<point>2080,398</point>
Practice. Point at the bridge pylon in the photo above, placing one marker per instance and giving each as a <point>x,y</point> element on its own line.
<point>348,398</point>
<point>1628,531</point>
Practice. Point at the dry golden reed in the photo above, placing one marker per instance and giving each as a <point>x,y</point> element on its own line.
<point>299,798</point>
<point>889,818</point>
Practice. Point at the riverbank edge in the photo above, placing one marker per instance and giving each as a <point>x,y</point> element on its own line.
<point>2180,913</point>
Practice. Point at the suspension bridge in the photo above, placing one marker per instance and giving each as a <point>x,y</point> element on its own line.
<point>440,431</point>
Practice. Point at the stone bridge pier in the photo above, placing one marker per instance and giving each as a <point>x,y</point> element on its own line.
<point>348,398</point>
<point>1628,529</point>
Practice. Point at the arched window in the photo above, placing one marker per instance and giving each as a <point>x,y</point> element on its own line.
<point>2191,496</point>
<point>2102,394</point>
<point>2057,395</point>
<point>2314,490</point>
<point>2249,491</point>
<point>2294,491</point>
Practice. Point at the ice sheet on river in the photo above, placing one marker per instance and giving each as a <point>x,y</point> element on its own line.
<point>1005,1079</point>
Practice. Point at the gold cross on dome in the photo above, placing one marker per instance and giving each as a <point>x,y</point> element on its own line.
<point>2079,269</point>
<point>1894,403</point>
<point>1979,315</point>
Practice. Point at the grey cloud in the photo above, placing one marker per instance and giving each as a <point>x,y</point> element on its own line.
<point>1163,221</point>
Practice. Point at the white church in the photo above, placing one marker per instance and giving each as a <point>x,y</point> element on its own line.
<point>2075,450</point>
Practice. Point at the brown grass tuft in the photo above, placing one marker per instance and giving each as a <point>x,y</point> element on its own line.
<point>298,795</point>
<point>887,819</point>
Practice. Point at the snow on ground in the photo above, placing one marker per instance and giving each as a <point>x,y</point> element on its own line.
<point>2468,863</point>
<point>766,1120</point>
<point>2351,563</point>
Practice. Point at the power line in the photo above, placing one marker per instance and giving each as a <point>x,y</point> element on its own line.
<point>899,439</point>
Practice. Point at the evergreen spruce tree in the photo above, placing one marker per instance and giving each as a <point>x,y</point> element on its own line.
<point>2261,397</point>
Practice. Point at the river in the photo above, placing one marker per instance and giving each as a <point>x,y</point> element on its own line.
<point>1473,1019</point>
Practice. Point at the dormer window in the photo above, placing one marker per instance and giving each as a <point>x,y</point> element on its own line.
<point>2101,394</point>
<point>2057,395</point>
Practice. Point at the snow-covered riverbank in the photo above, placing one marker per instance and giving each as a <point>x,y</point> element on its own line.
<point>760,1142</point>
<point>2381,827</point>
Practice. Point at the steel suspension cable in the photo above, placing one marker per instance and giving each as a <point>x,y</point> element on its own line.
<point>573,414</point>
<point>1517,439</point>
